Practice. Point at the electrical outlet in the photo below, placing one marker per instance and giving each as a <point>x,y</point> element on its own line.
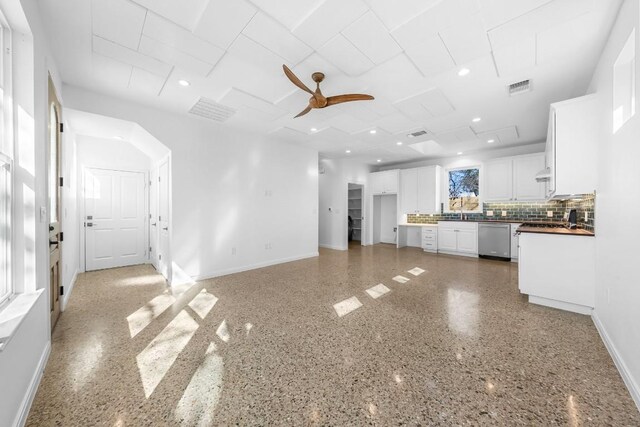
<point>586,216</point>
<point>504,213</point>
<point>489,213</point>
<point>549,214</point>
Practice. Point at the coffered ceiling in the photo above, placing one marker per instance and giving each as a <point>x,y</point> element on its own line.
<point>407,54</point>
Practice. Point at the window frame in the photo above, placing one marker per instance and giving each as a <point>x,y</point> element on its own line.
<point>447,210</point>
<point>7,149</point>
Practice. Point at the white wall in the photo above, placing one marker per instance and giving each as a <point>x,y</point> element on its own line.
<point>23,358</point>
<point>230,189</point>
<point>617,311</point>
<point>333,193</point>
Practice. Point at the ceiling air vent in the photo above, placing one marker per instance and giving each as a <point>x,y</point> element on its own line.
<point>210,109</point>
<point>417,134</point>
<point>520,87</point>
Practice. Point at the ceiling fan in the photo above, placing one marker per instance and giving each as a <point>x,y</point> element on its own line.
<point>318,100</point>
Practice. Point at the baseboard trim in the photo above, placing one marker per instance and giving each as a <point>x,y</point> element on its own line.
<point>335,248</point>
<point>67,294</point>
<point>632,386</point>
<point>25,407</point>
<point>228,271</point>
<point>561,305</point>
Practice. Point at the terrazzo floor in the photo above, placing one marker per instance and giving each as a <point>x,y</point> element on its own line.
<point>454,345</point>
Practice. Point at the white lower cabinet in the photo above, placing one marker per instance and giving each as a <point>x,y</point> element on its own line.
<point>514,241</point>
<point>430,239</point>
<point>458,237</point>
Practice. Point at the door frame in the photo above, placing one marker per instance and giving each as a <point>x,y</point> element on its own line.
<point>168,258</point>
<point>365,214</point>
<point>54,231</point>
<point>82,212</point>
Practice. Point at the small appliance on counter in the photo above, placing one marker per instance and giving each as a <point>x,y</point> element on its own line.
<point>571,219</point>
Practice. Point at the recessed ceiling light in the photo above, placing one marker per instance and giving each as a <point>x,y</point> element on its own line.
<point>314,130</point>
<point>379,160</point>
<point>476,119</point>
<point>373,131</point>
<point>399,143</point>
<point>348,151</point>
<point>463,72</point>
<point>184,83</point>
<point>459,153</point>
<point>119,137</point>
<point>491,141</point>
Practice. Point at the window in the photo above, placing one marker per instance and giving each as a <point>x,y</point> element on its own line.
<point>6,169</point>
<point>464,190</point>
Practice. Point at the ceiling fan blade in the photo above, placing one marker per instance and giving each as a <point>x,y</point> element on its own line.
<point>303,112</point>
<point>295,80</point>
<point>332,100</point>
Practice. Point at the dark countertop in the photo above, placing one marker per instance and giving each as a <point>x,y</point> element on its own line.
<point>561,230</point>
<point>506,221</point>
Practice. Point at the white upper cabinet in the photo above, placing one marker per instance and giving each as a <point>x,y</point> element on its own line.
<point>408,191</point>
<point>571,147</point>
<point>525,186</point>
<point>514,178</point>
<point>420,190</point>
<point>385,182</point>
<point>429,189</point>
<point>498,180</point>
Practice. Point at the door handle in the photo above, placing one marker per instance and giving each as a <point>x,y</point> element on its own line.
<point>53,242</point>
<point>153,224</point>
<point>89,224</point>
<point>165,228</point>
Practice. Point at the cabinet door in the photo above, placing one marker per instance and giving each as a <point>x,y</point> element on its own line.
<point>427,189</point>
<point>550,155</point>
<point>447,240</point>
<point>498,180</point>
<point>468,241</point>
<point>408,191</point>
<point>377,184</point>
<point>390,181</point>
<point>514,241</point>
<point>525,185</point>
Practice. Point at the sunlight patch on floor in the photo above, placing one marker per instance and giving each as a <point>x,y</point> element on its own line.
<point>198,402</point>
<point>416,271</point>
<point>85,361</point>
<point>203,303</point>
<point>223,331</point>
<point>401,279</point>
<point>377,291</point>
<point>462,311</point>
<point>142,317</point>
<point>347,306</point>
<point>158,357</point>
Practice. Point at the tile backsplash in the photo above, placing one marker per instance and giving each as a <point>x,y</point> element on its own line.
<point>523,211</point>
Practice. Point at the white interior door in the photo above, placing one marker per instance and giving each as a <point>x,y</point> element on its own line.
<point>115,219</point>
<point>164,257</point>
<point>153,218</point>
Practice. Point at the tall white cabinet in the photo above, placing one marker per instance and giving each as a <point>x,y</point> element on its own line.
<point>420,190</point>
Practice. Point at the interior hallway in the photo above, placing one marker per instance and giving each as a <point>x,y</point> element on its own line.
<point>456,344</point>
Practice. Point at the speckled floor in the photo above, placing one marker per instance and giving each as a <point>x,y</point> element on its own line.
<point>455,345</point>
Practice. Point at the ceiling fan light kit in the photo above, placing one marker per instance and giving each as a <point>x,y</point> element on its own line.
<point>318,100</point>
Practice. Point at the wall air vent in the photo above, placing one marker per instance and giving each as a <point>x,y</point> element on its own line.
<point>417,133</point>
<point>520,87</point>
<point>210,109</point>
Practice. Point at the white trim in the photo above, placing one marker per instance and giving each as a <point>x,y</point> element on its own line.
<point>25,406</point>
<point>67,293</point>
<point>632,385</point>
<point>561,305</point>
<point>440,251</point>
<point>219,273</point>
<point>334,247</point>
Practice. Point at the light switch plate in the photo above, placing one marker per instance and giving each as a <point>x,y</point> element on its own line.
<point>43,214</point>
<point>504,213</point>
<point>586,216</point>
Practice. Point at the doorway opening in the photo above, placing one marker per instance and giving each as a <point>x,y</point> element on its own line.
<point>385,219</point>
<point>355,214</point>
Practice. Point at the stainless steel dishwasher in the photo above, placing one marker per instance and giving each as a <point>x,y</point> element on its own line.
<point>494,240</point>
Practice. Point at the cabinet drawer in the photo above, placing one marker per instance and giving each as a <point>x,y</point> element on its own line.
<point>429,237</point>
<point>429,231</point>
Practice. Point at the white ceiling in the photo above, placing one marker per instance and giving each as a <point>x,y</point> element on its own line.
<point>407,54</point>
